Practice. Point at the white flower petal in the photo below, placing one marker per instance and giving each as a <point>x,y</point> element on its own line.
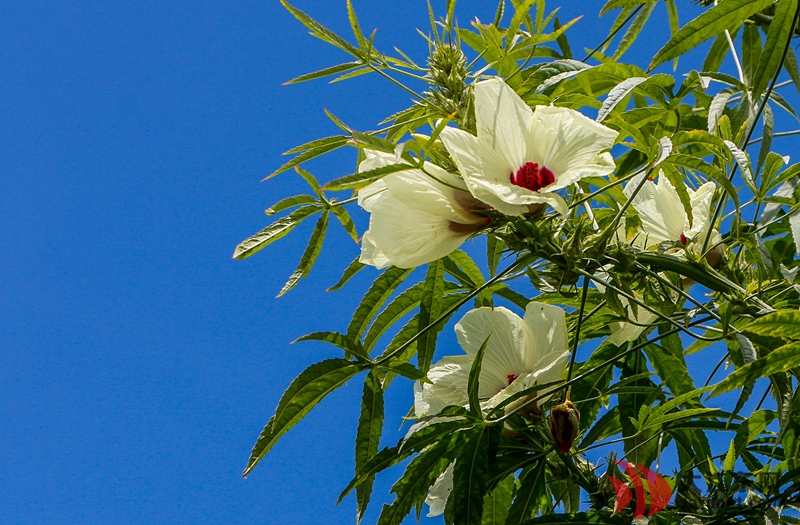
<point>547,331</point>
<point>449,378</point>
<point>505,352</point>
<point>405,237</point>
<point>623,332</point>
<point>486,172</point>
<point>701,205</point>
<point>440,491</point>
<point>570,144</point>
<point>659,208</point>
<point>503,120</point>
<point>549,369</point>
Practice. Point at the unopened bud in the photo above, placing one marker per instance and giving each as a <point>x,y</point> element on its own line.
<point>564,423</point>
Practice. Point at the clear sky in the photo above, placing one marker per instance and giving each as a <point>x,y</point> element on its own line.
<point>139,362</point>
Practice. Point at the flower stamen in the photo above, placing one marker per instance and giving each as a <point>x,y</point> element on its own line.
<point>511,378</point>
<point>533,177</point>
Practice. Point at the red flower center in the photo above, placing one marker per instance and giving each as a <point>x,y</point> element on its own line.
<point>532,177</point>
<point>683,239</point>
<point>511,378</point>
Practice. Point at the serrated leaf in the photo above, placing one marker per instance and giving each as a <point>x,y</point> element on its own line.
<point>717,107</point>
<point>531,490</point>
<point>634,29</point>
<point>365,178</point>
<point>347,223</point>
<point>374,299</point>
<point>397,309</point>
<point>368,436</point>
<point>310,255</point>
<point>781,30</point>
<point>430,309</point>
<point>290,202</point>
<point>308,389</point>
<point>417,479</point>
<point>312,182</point>
<point>335,338</point>
<point>320,31</point>
<point>465,262</point>
<point>744,165</point>
<point>766,137</point>
<point>780,360</point>
<point>470,474</point>
<point>711,23</point>
<point>312,153</point>
<point>273,232</point>
<point>616,94</point>
<point>494,251</point>
<point>497,503</point>
<point>783,323</point>
<point>473,385</point>
<point>349,272</point>
<point>325,72</point>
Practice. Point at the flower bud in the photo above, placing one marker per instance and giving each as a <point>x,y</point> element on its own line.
<point>564,423</point>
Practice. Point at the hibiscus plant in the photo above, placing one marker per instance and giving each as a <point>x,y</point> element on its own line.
<point>630,218</point>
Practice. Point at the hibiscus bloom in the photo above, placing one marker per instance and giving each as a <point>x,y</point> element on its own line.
<point>520,354</point>
<point>522,156</point>
<point>663,216</point>
<point>415,218</point>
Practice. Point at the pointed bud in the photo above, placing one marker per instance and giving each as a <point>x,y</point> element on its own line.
<point>564,423</point>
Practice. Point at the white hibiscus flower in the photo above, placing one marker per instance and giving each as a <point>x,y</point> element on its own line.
<point>414,218</point>
<point>522,156</point>
<point>663,215</point>
<point>520,354</point>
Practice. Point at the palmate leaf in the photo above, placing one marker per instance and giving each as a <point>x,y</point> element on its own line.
<point>726,15</point>
<point>780,360</point>
<point>290,202</point>
<point>374,299</point>
<point>474,274</point>
<point>308,389</point>
<point>421,473</point>
<point>320,31</point>
<point>325,72</point>
<point>310,255</point>
<point>273,232</point>
<point>529,494</point>
<point>470,474</point>
<point>634,29</point>
<point>368,436</point>
<point>347,223</point>
<point>497,503</point>
<point>321,146</point>
<point>365,178</point>
<point>397,309</point>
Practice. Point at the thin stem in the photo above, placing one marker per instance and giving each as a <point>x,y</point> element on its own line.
<point>577,333</point>
<point>776,135</point>
<point>614,33</point>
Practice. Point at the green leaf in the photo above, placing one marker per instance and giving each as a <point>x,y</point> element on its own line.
<point>473,386</point>
<point>308,389</point>
<point>475,276</point>
<point>325,72</point>
<point>470,474</point>
<point>529,494</point>
<point>273,232</point>
<point>430,309</point>
<point>349,272</point>
<point>616,95</point>
<point>418,478</point>
<point>326,145</point>
<point>320,31</point>
<point>365,178</point>
<point>717,108</point>
<point>397,309</point>
<point>310,254</point>
<point>368,436</point>
<point>374,299</point>
<point>671,367</point>
<point>311,181</point>
<point>497,503</point>
<point>711,23</point>
<point>751,52</point>
<point>751,428</point>
<point>783,323</point>
<point>335,338</point>
<point>351,15</point>
<point>634,29</point>
<point>780,360</point>
<point>744,165</point>
<point>290,202</point>
<point>344,219</point>
<point>781,30</point>
<point>494,251</point>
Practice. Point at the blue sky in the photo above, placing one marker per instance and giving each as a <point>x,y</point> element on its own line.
<point>139,361</point>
